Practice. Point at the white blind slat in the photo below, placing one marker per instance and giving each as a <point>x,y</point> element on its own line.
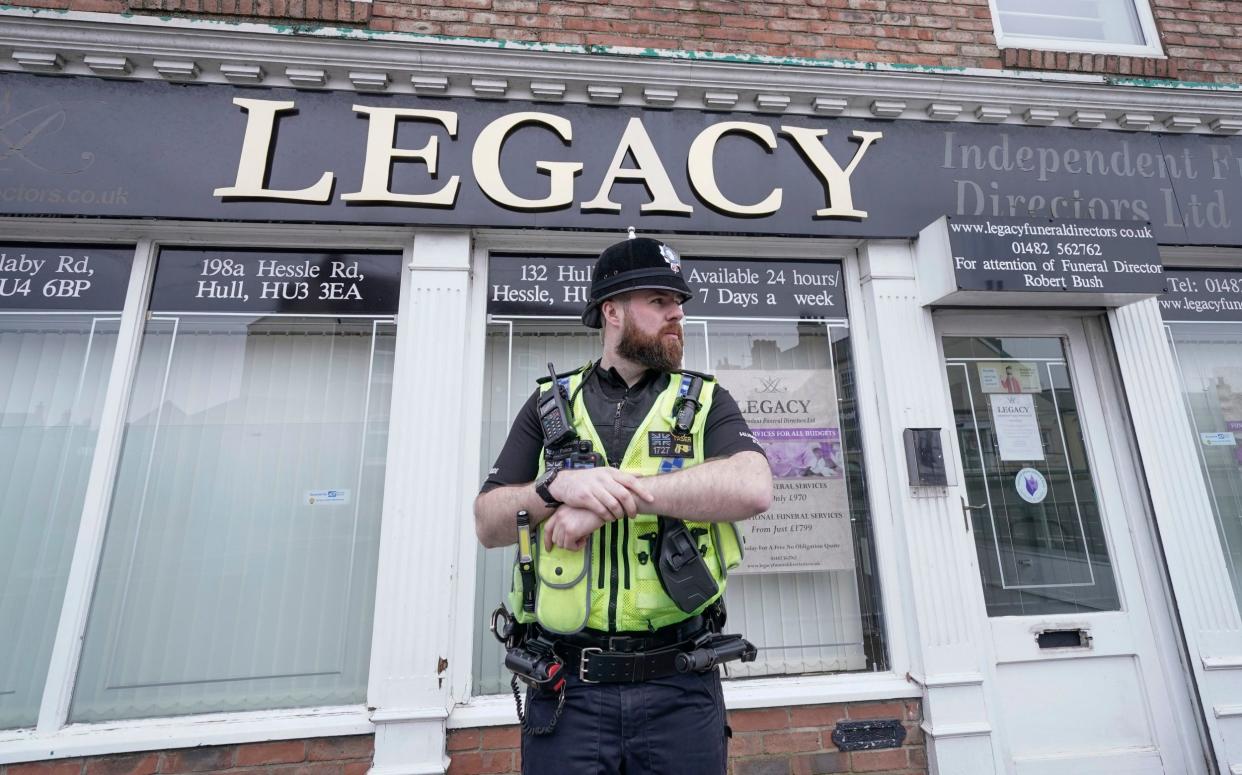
<point>52,373</point>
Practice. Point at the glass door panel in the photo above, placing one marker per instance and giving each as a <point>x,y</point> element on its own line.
<point>1035,510</point>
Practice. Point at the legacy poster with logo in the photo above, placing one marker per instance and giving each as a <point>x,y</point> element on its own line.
<point>793,414</point>
<point>1016,425</point>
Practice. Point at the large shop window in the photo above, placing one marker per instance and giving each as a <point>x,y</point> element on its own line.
<point>776,335</point>
<point>59,311</point>
<point>1203,314</point>
<point>239,561</point>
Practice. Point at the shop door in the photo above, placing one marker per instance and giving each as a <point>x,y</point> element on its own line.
<point>1078,682</point>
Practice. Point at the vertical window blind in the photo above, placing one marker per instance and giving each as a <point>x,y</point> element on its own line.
<point>239,561</point>
<point>53,374</point>
<point>1209,357</point>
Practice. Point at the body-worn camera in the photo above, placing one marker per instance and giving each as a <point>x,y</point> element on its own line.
<point>579,453</point>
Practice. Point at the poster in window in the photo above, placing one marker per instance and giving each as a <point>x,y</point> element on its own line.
<point>793,414</point>
<point>1009,377</point>
<point>1016,427</point>
<point>1229,396</point>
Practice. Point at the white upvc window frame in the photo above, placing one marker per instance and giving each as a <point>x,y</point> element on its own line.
<point>54,737</point>
<point>1147,23</point>
<point>405,718</point>
<point>777,691</point>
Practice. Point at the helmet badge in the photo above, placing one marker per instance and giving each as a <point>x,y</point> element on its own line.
<point>670,257</point>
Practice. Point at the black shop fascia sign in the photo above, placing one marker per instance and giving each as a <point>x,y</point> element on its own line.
<point>541,286</point>
<point>335,283</point>
<point>146,149</point>
<point>1038,262</point>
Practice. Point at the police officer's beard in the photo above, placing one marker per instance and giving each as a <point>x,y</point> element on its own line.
<point>655,352</point>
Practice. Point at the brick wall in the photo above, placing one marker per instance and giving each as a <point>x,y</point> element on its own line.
<point>1203,38</point>
<point>769,741</point>
<point>319,756</point>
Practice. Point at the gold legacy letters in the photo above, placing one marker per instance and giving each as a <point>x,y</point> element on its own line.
<point>634,144</point>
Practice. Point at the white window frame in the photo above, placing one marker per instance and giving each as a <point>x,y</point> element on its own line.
<point>407,713</point>
<point>1147,23</point>
<point>776,691</point>
<point>54,737</point>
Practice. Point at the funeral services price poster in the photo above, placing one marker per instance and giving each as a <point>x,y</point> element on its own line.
<point>793,414</point>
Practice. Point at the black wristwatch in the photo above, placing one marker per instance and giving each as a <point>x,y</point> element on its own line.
<point>543,487</point>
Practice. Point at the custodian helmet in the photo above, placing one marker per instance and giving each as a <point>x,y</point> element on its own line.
<point>634,264</point>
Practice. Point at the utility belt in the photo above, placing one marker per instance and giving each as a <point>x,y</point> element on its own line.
<point>630,642</point>
<point>597,657</point>
<point>543,659</point>
<point>699,655</point>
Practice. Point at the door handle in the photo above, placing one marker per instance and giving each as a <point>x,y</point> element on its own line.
<point>966,509</point>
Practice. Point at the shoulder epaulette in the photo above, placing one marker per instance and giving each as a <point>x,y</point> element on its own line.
<point>564,374</point>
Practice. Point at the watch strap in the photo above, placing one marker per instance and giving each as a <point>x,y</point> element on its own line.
<point>543,488</point>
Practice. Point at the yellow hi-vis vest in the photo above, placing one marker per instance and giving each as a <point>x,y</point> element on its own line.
<point>611,584</point>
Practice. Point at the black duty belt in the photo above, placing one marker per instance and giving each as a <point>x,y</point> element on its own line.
<point>597,657</point>
<point>630,642</point>
<point>594,665</point>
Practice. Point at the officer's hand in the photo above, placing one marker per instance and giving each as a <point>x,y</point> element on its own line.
<point>605,491</point>
<point>569,527</point>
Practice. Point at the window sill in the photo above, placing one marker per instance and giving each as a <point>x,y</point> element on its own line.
<point>1145,65</point>
<point>183,732</point>
<point>335,11</point>
<point>497,709</point>
<point>1086,48</point>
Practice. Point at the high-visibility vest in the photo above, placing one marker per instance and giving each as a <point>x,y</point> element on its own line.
<point>611,584</point>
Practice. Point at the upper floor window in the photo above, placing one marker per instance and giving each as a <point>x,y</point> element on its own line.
<point>1124,27</point>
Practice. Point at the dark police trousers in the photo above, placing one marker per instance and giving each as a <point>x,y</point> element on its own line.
<point>666,726</point>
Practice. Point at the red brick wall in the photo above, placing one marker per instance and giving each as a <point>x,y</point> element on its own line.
<point>770,741</point>
<point>318,756</point>
<point>1203,38</point>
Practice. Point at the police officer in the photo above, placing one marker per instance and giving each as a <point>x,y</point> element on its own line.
<point>674,444</point>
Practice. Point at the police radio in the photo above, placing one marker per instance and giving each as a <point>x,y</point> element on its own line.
<point>554,415</point>
<point>561,446</point>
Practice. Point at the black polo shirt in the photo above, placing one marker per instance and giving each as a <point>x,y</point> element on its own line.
<point>616,410</point>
